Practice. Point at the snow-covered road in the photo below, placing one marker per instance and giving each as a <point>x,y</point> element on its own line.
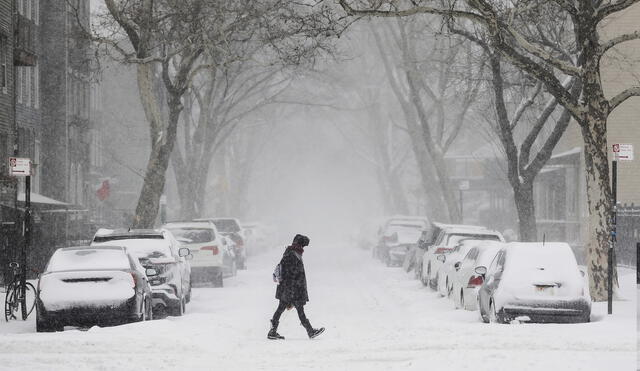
<point>377,318</point>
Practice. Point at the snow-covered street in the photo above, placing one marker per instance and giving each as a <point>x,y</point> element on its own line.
<point>377,318</point>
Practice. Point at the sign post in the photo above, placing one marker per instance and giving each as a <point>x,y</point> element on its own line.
<point>22,167</point>
<point>621,152</point>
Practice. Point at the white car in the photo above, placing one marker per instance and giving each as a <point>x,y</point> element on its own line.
<point>230,227</point>
<point>446,241</point>
<point>534,282</point>
<point>211,257</point>
<point>159,250</point>
<point>447,270</point>
<point>466,282</point>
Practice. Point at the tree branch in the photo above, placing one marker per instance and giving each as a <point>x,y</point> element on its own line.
<point>623,96</point>
<point>618,40</point>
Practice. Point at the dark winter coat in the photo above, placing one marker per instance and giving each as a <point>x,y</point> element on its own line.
<point>293,285</point>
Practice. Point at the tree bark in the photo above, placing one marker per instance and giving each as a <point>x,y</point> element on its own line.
<point>525,206</point>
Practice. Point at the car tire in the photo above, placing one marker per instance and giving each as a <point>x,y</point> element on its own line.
<point>493,315</point>
<point>188,297</point>
<point>149,310</point>
<point>218,280</point>
<point>44,326</point>
<point>462,300</point>
<point>242,264</point>
<point>178,310</point>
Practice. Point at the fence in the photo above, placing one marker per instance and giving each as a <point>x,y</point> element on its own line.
<point>628,234</point>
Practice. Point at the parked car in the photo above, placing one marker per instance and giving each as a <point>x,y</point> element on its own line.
<point>534,282</point>
<point>157,249</point>
<point>211,257</point>
<point>449,236</point>
<point>398,238</point>
<point>85,286</point>
<point>230,227</point>
<point>429,236</point>
<point>465,281</point>
<point>448,264</point>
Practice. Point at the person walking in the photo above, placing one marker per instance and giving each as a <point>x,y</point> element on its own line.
<point>292,287</point>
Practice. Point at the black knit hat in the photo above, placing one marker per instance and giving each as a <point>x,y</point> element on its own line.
<point>301,240</point>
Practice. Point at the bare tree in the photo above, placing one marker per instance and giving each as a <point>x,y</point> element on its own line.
<point>436,93</point>
<point>168,42</point>
<point>511,30</point>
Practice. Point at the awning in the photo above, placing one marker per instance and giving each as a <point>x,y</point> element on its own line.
<point>45,203</point>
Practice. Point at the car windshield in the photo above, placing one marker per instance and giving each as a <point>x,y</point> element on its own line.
<point>454,239</point>
<point>88,259</point>
<point>227,225</point>
<point>108,237</point>
<point>193,235</point>
<point>147,248</point>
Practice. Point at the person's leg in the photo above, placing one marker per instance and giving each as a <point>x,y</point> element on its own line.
<point>276,316</point>
<point>304,321</point>
<point>273,332</point>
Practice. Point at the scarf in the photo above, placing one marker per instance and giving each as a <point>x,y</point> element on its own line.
<point>297,249</point>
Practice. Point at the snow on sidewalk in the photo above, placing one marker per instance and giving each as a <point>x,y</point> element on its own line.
<point>377,318</point>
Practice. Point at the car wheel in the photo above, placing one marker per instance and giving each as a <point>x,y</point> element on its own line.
<point>242,265</point>
<point>493,315</point>
<point>462,299</point>
<point>188,297</point>
<point>218,280</point>
<point>149,310</point>
<point>178,310</point>
<point>44,326</point>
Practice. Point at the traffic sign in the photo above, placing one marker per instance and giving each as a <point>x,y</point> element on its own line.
<point>464,185</point>
<point>623,152</point>
<point>19,166</point>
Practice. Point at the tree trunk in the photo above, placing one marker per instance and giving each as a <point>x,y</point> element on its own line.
<point>599,203</point>
<point>523,197</point>
<point>447,188</point>
<point>154,180</point>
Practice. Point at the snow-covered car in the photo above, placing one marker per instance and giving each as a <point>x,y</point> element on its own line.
<point>85,286</point>
<point>465,281</point>
<point>445,277</point>
<point>255,237</point>
<point>398,238</point>
<point>211,259</point>
<point>427,239</point>
<point>230,227</point>
<point>448,238</point>
<point>157,249</point>
<point>534,282</point>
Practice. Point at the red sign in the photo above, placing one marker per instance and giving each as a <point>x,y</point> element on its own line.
<point>104,191</point>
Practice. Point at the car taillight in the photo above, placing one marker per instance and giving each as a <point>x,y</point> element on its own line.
<point>214,249</point>
<point>475,281</point>
<point>442,250</point>
<point>133,279</point>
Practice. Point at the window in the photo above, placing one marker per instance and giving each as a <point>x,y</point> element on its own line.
<point>27,9</point>
<point>27,86</point>
<point>3,63</point>
<point>20,7</point>
<point>36,86</point>
<point>36,11</point>
<point>18,84</point>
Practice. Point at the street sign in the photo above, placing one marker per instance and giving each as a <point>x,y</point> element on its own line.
<point>623,152</point>
<point>464,185</point>
<point>19,166</point>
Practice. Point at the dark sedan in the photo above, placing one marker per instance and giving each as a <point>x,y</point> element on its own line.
<point>86,286</point>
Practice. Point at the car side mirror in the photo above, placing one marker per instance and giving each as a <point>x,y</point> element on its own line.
<point>481,270</point>
<point>582,273</point>
<point>150,272</point>
<point>183,251</point>
<point>442,258</point>
<point>457,265</point>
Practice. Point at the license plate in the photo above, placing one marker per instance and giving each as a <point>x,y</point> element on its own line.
<point>545,290</point>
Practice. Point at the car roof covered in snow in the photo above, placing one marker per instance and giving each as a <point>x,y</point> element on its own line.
<point>190,224</point>
<point>104,235</point>
<point>459,226</point>
<point>79,258</point>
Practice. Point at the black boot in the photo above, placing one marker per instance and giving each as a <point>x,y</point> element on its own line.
<point>312,332</point>
<point>273,333</point>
